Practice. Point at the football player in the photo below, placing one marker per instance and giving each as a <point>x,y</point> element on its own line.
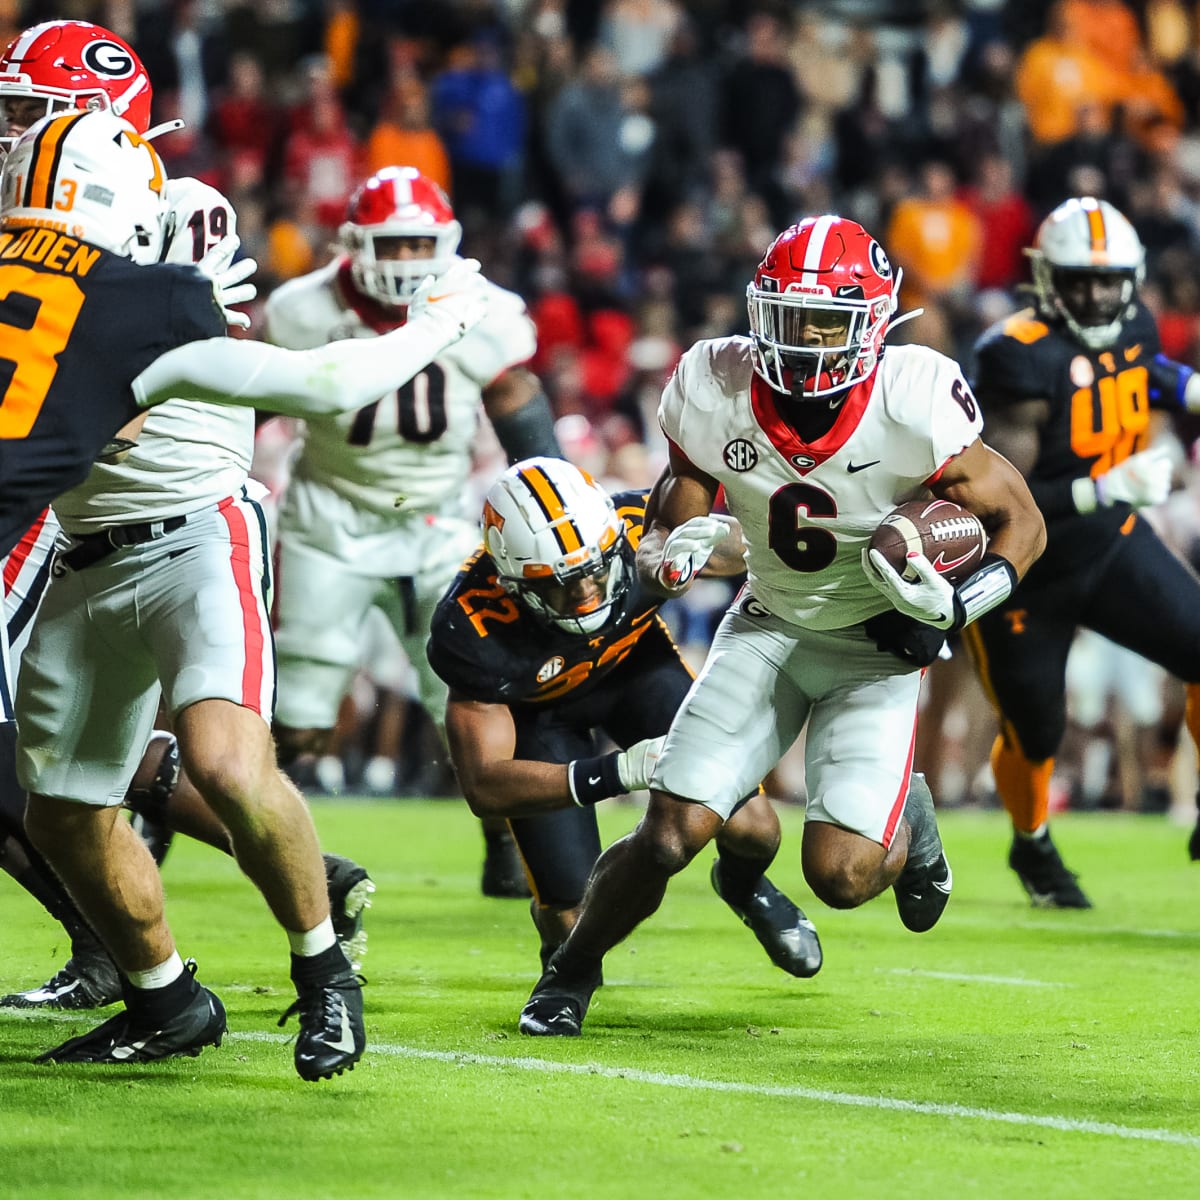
<point>815,431</point>
<point>546,637</point>
<point>62,66</point>
<point>185,604</point>
<point>1069,385</point>
<point>377,512</point>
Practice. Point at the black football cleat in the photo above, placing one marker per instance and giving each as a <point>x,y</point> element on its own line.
<point>1044,875</point>
<point>503,871</point>
<point>350,891</point>
<point>130,1038</point>
<point>332,1037</point>
<point>556,1006</point>
<point>1194,844</point>
<point>785,933</point>
<point>922,889</point>
<point>87,980</point>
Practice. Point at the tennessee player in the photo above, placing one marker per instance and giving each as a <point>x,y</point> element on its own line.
<point>377,511</point>
<point>546,638</point>
<point>1069,386</point>
<point>185,611</point>
<point>816,432</point>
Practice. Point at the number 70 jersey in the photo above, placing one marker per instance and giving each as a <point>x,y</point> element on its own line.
<point>415,442</point>
<point>808,510</point>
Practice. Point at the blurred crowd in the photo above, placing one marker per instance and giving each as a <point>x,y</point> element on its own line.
<point>622,164</point>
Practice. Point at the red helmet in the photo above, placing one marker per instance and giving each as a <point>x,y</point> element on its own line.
<point>820,303</point>
<point>397,202</point>
<point>74,64</point>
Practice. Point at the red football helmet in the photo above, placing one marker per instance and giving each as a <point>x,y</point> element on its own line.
<point>74,64</point>
<point>820,303</point>
<point>397,202</point>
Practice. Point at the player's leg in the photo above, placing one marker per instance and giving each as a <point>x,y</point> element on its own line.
<point>1020,651</point>
<point>729,732</point>
<point>86,703</point>
<point>866,827</point>
<point>647,691</point>
<point>1148,601</point>
<point>203,615</point>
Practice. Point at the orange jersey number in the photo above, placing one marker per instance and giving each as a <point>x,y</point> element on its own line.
<point>34,351</point>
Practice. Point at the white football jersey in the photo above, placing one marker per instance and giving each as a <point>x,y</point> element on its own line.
<point>808,510</point>
<point>410,451</point>
<point>188,455</point>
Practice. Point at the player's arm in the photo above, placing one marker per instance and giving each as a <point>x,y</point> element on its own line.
<point>483,740</point>
<point>521,415</point>
<point>679,534</point>
<point>985,482</point>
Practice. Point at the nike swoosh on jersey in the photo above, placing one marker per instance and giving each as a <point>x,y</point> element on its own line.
<point>1131,352</point>
<point>854,468</point>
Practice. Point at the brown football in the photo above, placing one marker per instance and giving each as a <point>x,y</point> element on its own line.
<point>952,538</point>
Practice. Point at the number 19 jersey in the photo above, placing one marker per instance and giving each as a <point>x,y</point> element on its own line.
<point>808,510</point>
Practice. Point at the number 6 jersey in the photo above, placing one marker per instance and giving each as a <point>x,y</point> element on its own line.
<point>807,510</point>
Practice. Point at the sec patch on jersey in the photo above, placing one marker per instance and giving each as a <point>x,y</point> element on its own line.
<point>952,538</point>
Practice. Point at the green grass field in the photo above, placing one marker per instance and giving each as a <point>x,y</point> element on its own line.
<point>1008,1053</point>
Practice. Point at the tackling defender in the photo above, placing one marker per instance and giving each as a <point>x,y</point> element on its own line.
<point>546,638</point>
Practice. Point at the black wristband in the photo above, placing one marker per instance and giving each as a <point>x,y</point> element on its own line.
<point>594,779</point>
<point>528,432</point>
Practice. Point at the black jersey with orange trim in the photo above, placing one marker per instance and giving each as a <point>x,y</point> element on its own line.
<point>1099,410</point>
<point>80,325</point>
<point>489,647</point>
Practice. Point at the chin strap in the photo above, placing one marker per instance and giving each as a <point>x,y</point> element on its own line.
<point>908,316</point>
<point>164,127</point>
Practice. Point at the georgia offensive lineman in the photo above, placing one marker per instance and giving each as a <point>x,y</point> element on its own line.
<point>815,433</point>
<point>377,513</point>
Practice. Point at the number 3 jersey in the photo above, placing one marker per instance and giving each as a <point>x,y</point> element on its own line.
<point>808,510</point>
<point>410,451</point>
<point>489,647</point>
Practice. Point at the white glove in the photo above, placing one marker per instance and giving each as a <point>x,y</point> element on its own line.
<point>455,301</point>
<point>1141,480</point>
<point>636,764</point>
<point>689,547</point>
<point>929,599</point>
<point>227,279</point>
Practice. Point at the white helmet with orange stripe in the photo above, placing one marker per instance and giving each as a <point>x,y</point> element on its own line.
<point>1087,263</point>
<point>557,543</point>
<point>90,175</point>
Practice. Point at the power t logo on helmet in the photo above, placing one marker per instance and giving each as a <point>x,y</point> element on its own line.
<point>62,65</point>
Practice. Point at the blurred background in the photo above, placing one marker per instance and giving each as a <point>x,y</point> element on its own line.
<point>623,164</point>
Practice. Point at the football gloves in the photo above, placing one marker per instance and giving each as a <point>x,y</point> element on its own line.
<point>930,598</point>
<point>635,765</point>
<point>228,279</point>
<point>454,301</point>
<point>1141,480</point>
<point>914,642</point>
<point>689,547</point>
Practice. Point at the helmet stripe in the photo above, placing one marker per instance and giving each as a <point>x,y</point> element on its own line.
<point>19,48</point>
<point>816,247</point>
<point>44,161</point>
<point>550,502</point>
<point>1096,230</point>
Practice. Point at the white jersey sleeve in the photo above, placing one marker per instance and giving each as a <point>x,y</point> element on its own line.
<point>188,455</point>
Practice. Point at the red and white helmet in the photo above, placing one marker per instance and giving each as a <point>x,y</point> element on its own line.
<point>75,64</point>
<point>826,273</point>
<point>398,202</point>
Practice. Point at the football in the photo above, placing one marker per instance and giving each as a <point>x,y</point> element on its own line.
<point>952,538</point>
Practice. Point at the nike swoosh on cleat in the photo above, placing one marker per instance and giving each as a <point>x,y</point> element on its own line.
<point>346,1042</point>
<point>123,1052</point>
<point>854,468</point>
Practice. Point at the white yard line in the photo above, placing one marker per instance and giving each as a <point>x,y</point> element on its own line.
<point>959,977</point>
<point>694,1083</point>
